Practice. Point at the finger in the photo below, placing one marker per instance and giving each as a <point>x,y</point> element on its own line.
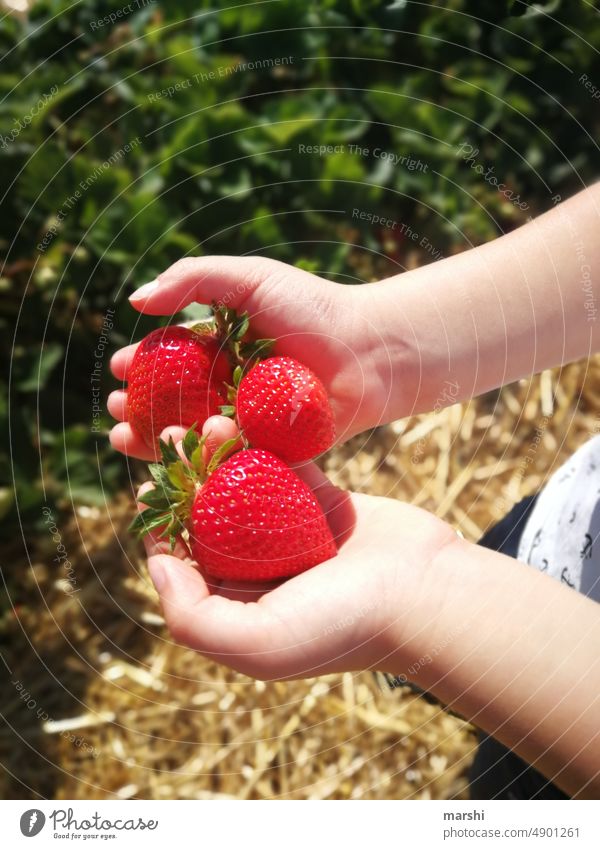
<point>335,503</point>
<point>281,636</point>
<point>176,433</point>
<point>226,279</point>
<point>217,430</point>
<point>117,405</point>
<point>244,636</point>
<point>243,590</point>
<point>155,545</point>
<point>120,362</point>
<point>125,438</point>
<point>128,441</point>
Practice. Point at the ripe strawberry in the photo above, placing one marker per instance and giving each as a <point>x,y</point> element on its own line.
<point>177,377</point>
<point>283,407</point>
<point>255,519</point>
<point>252,518</point>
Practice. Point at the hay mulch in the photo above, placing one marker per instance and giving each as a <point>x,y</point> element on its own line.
<point>101,704</point>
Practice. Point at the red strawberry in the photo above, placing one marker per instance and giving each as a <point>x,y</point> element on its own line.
<point>253,518</point>
<point>177,377</point>
<point>283,407</point>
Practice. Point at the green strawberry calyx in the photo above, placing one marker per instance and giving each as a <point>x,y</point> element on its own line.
<point>169,503</point>
<point>230,408</point>
<point>230,328</point>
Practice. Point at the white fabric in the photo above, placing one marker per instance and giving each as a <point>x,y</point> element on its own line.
<point>562,534</point>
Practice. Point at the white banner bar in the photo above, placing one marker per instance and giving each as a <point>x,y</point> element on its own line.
<point>301,825</point>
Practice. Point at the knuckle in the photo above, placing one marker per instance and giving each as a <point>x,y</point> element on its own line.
<point>182,266</point>
<point>263,269</point>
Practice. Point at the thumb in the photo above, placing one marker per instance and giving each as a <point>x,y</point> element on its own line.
<point>228,280</point>
<point>246,637</point>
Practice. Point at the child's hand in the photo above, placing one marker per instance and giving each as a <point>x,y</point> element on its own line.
<point>414,342</point>
<point>371,606</point>
<point>324,325</point>
<point>406,595</point>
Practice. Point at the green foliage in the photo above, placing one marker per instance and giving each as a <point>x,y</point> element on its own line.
<point>115,177</point>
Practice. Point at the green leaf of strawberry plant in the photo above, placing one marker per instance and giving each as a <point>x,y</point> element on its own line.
<point>148,520</point>
<point>198,464</point>
<point>173,529</point>
<point>241,327</point>
<point>179,476</point>
<point>222,451</point>
<point>160,474</point>
<point>190,442</point>
<point>168,451</point>
<point>264,347</point>
<point>258,350</point>
<point>156,498</point>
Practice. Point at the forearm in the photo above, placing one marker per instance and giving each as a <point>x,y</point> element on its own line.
<point>522,303</point>
<point>517,653</point>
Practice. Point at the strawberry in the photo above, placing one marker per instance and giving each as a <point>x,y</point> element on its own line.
<point>181,376</point>
<point>283,407</point>
<point>249,518</point>
<point>178,377</point>
<point>255,519</point>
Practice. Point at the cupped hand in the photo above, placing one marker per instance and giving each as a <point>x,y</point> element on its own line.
<point>322,324</point>
<point>372,606</point>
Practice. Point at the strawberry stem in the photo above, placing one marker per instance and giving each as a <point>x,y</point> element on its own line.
<point>169,503</point>
<point>231,329</point>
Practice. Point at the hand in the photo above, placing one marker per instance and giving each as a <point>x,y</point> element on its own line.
<point>324,325</point>
<point>372,606</point>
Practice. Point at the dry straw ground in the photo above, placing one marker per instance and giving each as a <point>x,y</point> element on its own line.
<point>108,707</point>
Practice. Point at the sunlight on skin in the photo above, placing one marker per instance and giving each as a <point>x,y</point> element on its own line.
<point>402,579</point>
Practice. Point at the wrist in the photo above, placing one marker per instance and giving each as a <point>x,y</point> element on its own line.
<point>446,618</point>
<point>389,358</point>
<point>412,369</point>
<point>427,603</point>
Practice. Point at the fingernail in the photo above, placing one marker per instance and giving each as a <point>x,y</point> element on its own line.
<point>157,573</point>
<point>144,290</point>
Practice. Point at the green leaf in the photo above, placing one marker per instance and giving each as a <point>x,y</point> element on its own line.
<point>241,327</point>
<point>160,474</point>
<point>257,350</point>
<point>39,368</point>
<point>221,452</point>
<point>156,498</point>
<point>227,410</point>
<point>197,461</point>
<point>190,442</point>
<point>178,475</point>
<point>264,347</point>
<point>199,313</point>
<point>173,529</point>
<point>148,520</point>
<point>168,452</point>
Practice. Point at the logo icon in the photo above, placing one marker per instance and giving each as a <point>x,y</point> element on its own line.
<point>32,822</point>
